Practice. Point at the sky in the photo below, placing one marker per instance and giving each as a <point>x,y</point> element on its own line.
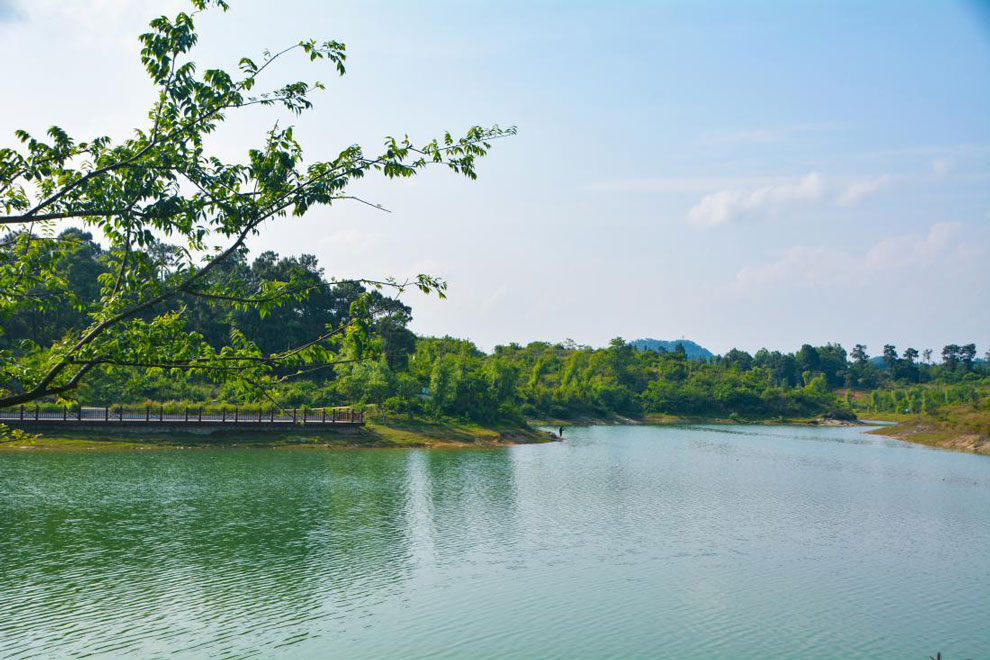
<point>742,174</point>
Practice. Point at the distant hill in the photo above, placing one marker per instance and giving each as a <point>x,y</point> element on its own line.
<point>694,351</point>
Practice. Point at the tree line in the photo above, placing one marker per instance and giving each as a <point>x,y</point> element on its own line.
<point>400,373</point>
<point>162,182</point>
<point>126,316</point>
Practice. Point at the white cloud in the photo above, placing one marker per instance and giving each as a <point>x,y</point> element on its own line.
<point>738,203</point>
<point>941,167</point>
<point>910,250</point>
<point>798,266</point>
<point>858,190</point>
<point>727,206</point>
<point>808,267</point>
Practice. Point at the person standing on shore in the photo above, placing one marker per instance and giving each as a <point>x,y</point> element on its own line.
<point>560,432</point>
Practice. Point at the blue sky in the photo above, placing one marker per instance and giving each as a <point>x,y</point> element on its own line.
<point>739,173</point>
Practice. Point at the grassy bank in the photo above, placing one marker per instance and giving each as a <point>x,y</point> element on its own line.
<point>379,432</point>
<point>405,432</point>
<point>657,419</point>
<point>961,428</point>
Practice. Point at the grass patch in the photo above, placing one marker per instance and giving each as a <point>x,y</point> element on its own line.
<point>404,432</point>
<point>378,432</point>
<point>961,428</point>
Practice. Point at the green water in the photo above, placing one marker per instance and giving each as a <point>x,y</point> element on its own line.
<point>693,542</point>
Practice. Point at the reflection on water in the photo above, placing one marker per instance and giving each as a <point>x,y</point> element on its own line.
<point>746,542</point>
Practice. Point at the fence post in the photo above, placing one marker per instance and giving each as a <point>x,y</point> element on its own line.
<point>201,413</point>
<point>36,409</point>
<point>324,415</point>
<point>22,412</point>
<point>261,409</point>
<point>236,417</point>
<point>161,412</point>
<point>106,413</point>
<point>223,412</point>
<point>187,412</point>
<point>120,413</point>
<point>271,411</point>
<point>293,415</point>
<point>79,412</point>
<point>304,415</point>
<point>147,413</point>
<point>65,412</point>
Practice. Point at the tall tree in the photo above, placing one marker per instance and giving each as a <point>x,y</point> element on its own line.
<point>967,355</point>
<point>808,359</point>
<point>950,356</point>
<point>889,355</point>
<point>906,369</point>
<point>737,359</point>
<point>163,182</point>
<point>833,363</point>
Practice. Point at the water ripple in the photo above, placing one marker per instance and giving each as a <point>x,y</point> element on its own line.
<point>761,542</point>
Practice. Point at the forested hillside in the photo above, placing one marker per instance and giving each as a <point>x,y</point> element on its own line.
<point>391,368</point>
<point>692,350</point>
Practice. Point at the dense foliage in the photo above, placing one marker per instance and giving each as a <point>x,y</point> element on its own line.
<point>172,219</point>
<point>567,381</point>
<point>391,368</point>
<point>924,399</point>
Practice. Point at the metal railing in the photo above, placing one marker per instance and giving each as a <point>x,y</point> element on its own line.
<point>188,415</point>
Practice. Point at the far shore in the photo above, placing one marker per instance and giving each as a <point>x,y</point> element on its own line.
<point>378,433</point>
<point>666,420</point>
<point>399,433</point>
<point>952,436</point>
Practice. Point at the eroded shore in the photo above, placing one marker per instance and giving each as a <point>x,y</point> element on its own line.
<point>954,435</point>
<point>392,433</point>
<point>933,433</point>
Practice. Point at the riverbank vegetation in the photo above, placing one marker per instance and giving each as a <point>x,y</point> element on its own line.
<point>949,408</point>
<point>962,428</point>
<point>406,380</point>
<point>125,279</point>
<point>380,431</point>
<point>388,367</point>
<point>171,215</point>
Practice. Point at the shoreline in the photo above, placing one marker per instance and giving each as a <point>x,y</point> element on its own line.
<point>452,434</point>
<point>377,434</point>
<point>673,420</point>
<point>924,432</point>
<point>961,428</point>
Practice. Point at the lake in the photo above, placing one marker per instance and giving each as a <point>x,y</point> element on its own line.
<point>686,542</point>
